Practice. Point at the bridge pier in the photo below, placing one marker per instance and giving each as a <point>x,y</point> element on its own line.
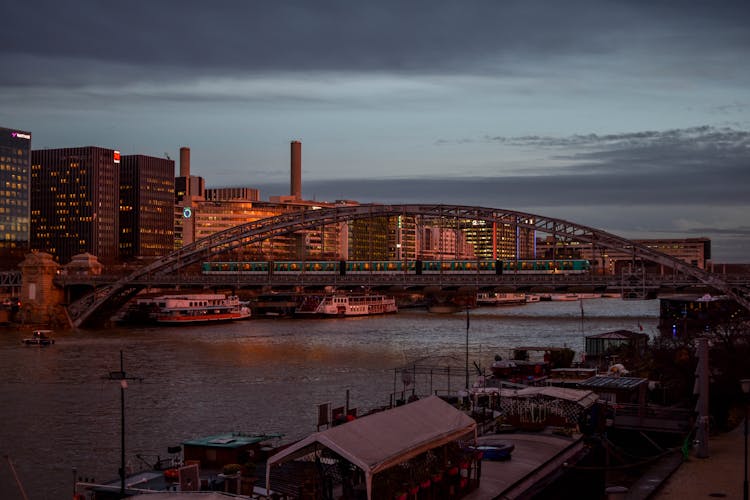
<point>40,299</point>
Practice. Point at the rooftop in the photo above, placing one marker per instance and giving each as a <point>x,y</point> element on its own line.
<point>231,440</point>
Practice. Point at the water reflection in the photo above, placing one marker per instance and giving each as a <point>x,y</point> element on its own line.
<point>60,411</point>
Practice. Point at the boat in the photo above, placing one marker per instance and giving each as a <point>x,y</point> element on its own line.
<point>346,305</point>
<point>185,309</point>
<point>39,338</point>
<point>520,371</point>
<point>500,299</point>
<point>530,298</point>
<point>564,297</point>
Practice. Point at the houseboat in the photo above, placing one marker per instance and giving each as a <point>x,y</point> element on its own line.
<point>185,309</point>
<point>500,299</point>
<point>346,305</point>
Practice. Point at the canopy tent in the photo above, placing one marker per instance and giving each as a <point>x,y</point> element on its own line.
<point>381,440</point>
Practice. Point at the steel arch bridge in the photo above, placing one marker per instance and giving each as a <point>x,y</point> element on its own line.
<point>253,232</point>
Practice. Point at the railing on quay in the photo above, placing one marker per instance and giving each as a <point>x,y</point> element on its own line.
<point>652,417</point>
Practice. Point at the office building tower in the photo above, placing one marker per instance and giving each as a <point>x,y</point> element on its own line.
<point>75,202</point>
<point>15,164</point>
<point>146,206</point>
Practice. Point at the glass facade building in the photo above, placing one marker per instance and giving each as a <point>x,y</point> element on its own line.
<point>15,164</point>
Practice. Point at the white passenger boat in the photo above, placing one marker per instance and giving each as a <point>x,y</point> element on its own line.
<point>192,308</point>
<point>500,299</point>
<point>346,305</point>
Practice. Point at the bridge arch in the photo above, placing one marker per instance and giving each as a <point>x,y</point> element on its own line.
<point>253,232</point>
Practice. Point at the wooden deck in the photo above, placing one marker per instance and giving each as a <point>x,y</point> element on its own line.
<point>536,460</point>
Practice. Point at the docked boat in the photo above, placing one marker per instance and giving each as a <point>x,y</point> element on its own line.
<point>520,371</point>
<point>187,309</point>
<point>564,297</point>
<point>41,338</point>
<point>346,305</point>
<point>500,299</point>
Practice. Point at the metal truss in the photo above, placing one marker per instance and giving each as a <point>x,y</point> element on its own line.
<point>254,232</point>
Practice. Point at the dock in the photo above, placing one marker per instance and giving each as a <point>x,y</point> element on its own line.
<point>537,460</point>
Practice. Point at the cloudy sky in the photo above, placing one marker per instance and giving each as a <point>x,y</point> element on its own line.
<point>630,116</point>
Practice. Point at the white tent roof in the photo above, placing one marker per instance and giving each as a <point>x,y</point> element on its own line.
<point>378,441</point>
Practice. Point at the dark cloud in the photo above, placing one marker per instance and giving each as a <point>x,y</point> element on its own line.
<point>701,165</point>
<point>141,39</point>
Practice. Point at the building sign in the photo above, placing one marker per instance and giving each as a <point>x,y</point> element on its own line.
<point>187,212</point>
<point>117,157</point>
<point>20,135</point>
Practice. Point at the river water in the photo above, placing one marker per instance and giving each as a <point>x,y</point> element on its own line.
<point>58,410</point>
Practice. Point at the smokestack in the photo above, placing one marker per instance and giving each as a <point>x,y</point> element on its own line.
<point>296,184</point>
<point>184,162</point>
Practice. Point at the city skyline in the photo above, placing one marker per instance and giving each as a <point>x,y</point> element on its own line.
<point>631,117</point>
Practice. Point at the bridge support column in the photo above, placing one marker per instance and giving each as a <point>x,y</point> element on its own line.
<point>41,300</point>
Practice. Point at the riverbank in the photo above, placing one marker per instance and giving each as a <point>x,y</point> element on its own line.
<point>720,475</point>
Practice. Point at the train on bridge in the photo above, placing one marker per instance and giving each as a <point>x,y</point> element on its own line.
<point>409,267</point>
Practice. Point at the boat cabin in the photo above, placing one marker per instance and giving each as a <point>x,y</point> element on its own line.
<point>602,348</point>
<point>40,338</point>
<point>214,452</point>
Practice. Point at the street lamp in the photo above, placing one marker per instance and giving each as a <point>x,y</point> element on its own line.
<point>467,350</point>
<point>745,383</point>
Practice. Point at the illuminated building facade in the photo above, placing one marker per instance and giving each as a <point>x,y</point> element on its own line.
<point>15,165</point>
<point>232,193</point>
<point>501,240</point>
<point>409,238</point>
<point>368,239</point>
<point>146,206</point>
<point>75,202</point>
<point>693,251</point>
<point>205,218</point>
<point>442,243</point>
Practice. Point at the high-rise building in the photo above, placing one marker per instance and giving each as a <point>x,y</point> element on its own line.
<point>75,202</point>
<point>15,164</point>
<point>146,206</point>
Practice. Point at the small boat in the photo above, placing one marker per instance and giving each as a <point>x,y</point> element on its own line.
<point>500,299</point>
<point>495,450</point>
<point>39,338</point>
<point>346,305</point>
<point>564,297</point>
<point>188,309</point>
<point>530,298</point>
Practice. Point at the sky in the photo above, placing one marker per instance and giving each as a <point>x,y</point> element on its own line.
<point>628,116</point>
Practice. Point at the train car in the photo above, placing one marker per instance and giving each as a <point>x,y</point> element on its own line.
<point>457,267</point>
<point>358,267</point>
<point>235,267</point>
<point>565,266</point>
<point>305,267</point>
<point>376,266</point>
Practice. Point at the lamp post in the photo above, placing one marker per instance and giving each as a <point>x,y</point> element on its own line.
<point>123,378</point>
<point>745,383</point>
<point>467,350</point>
